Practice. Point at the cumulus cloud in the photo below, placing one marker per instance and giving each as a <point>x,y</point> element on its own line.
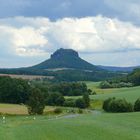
<point>21,36</point>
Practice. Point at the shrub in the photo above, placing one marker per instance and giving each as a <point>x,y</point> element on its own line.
<point>55,99</point>
<point>117,105</point>
<point>107,103</point>
<point>94,93</point>
<point>86,99</point>
<point>80,103</point>
<point>69,103</point>
<point>71,111</point>
<point>80,111</point>
<point>137,105</point>
<point>120,105</point>
<point>57,110</point>
<point>105,84</point>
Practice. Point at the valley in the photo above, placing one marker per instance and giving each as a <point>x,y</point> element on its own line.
<point>64,98</point>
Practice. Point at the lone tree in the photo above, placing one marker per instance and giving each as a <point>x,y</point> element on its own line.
<point>86,99</point>
<point>36,102</point>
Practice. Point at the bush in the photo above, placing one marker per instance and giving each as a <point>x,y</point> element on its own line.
<point>117,105</point>
<point>94,93</point>
<point>86,99</point>
<point>105,85</point>
<point>106,104</point>
<point>80,103</point>
<point>55,99</point>
<point>69,103</point>
<point>57,110</point>
<point>120,105</point>
<point>112,84</point>
<point>80,111</point>
<point>137,105</point>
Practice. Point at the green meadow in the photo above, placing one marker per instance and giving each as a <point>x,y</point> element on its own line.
<point>130,94</point>
<point>96,125</point>
<point>93,126</point>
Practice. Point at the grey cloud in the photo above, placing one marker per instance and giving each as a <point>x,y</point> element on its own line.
<point>127,10</point>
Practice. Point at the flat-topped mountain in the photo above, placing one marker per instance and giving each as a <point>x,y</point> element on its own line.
<point>66,58</point>
<point>65,65</point>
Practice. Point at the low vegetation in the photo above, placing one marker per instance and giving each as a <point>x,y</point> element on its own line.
<point>117,105</point>
<point>130,80</point>
<point>137,105</point>
<point>120,105</point>
<point>110,84</point>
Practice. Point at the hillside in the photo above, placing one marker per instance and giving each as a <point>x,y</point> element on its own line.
<point>66,59</point>
<point>121,69</point>
<point>65,65</point>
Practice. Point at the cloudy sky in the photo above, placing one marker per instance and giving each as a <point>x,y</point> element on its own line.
<point>104,32</point>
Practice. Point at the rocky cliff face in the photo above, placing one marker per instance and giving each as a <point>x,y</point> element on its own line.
<point>64,53</point>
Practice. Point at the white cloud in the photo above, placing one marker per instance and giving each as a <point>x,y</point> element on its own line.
<point>25,41</point>
<point>37,36</point>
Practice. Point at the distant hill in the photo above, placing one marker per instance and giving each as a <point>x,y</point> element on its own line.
<point>134,77</point>
<point>65,65</point>
<point>119,69</point>
<point>66,59</point>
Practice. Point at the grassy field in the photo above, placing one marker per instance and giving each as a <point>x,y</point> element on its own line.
<point>13,109</point>
<point>130,94</point>
<point>28,77</point>
<point>94,126</point>
<point>94,86</point>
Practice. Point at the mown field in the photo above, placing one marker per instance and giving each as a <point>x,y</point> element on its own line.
<point>94,126</point>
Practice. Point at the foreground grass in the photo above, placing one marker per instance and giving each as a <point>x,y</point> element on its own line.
<point>98,126</point>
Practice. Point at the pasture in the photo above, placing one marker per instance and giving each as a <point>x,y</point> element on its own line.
<point>27,77</point>
<point>14,109</point>
<point>96,125</point>
<point>130,94</point>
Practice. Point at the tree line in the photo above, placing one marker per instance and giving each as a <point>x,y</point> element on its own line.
<point>37,96</point>
<point>130,80</point>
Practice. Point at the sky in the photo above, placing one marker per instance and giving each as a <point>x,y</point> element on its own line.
<point>104,32</point>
